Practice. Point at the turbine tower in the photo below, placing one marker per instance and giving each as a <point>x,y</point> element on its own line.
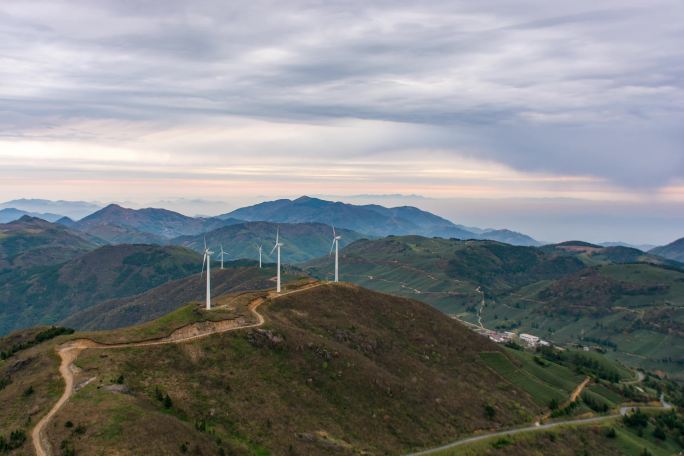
<point>277,246</point>
<point>336,245</point>
<point>259,246</point>
<point>207,260</point>
<point>222,253</point>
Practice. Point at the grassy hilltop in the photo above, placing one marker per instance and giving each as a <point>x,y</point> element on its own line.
<point>335,369</point>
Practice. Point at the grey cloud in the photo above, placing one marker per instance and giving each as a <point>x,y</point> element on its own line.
<point>559,87</point>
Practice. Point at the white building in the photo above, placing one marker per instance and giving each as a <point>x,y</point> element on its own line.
<point>529,339</point>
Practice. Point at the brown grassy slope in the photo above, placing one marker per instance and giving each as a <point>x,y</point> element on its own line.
<point>336,369</point>
<point>35,368</point>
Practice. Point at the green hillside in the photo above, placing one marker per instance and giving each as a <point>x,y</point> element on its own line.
<point>569,293</point>
<point>444,272</point>
<point>242,275</point>
<point>302,241</point>
<point>634,311</point>
<point>47,294</point>
<point>30,242</point>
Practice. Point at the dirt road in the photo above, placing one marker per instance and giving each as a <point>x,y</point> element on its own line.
<point>69,352</point>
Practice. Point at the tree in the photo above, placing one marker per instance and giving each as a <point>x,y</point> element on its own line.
<point>489,411</point>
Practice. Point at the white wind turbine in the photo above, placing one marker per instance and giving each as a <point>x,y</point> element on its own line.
<point>259,246</point>
<point>336,245</point>
<point>277,246</point>
<point>207,260</point>
<point>222,254</point>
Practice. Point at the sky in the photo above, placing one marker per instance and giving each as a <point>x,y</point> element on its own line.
<point>560,119</point>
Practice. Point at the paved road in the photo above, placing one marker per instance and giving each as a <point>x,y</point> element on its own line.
<point>536,427</point>
<point>70,351</point>
<point>532,428</point>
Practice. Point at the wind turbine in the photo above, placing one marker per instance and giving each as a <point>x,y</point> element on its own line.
<point>259,246</point>
<point>277,245</point>
<point>336,245</point>
<point>207,260</point>
<point>222,253</point>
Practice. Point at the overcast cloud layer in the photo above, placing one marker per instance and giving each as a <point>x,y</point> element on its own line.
<point>579,99</point>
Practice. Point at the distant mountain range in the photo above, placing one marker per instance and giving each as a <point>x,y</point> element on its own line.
<point>593,254</point>
<point>371,219</point>
<point>119,225</point>
<point>11,214</point>
<point>642,247</point>
<point>115,224</point>
<point>673,251</point>
<point>72,209</point>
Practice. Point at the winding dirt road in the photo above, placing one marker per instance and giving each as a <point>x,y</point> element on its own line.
<point>69,352</point>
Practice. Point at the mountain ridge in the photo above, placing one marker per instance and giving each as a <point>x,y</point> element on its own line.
<point>120,225</point>
<point>673,251</point>
<point>370,219</point>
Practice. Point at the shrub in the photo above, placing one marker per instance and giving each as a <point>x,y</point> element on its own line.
<point>636,419</point>
<point>168,403</point>
<point>659,433</point>
<point>610,433</point>
<point>501,443</point>
<point>489,411</point>
<point>540,361</point>
<point>28,391</point>
<point>42,336</point>
<point>14,441</point>
<point>67,448</point>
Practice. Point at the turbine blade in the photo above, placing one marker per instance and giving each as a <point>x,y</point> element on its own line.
<point>334,234</point>
<point>332,246</point>
<point>273,250</point>
<point>205,243</point>
<point>204,260</point>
